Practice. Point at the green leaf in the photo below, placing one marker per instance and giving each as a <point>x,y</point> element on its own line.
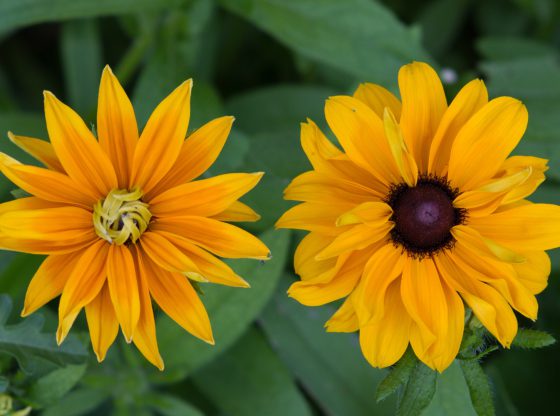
<point>479,387</point>
<point>329,366</point>
<point>418,392</point>
<point>532,339</point>
<point>78,402</point>
<point>26,343</point>
<point>359,37</point>
<point>167,405</point>
<point>255,373</point>
<point>231,311</point>
<point>452,395</point>
<point>18,13</point>
<point>51,388</point>
<point>82,64</point>
<point>398,376</point>
<point>4,384</point>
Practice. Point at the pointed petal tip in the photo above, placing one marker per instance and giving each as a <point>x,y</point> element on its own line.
<point>99,357</point>
<point>24,312</point>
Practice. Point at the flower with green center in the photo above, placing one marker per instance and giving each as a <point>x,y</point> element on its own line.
<point>123,220</point>
<point>422,212</point>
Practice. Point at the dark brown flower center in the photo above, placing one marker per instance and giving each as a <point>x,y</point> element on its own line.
<point>424,215</point>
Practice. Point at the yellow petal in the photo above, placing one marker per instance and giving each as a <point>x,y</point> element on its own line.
<point>220,238</point>
<point>526,228</point>
<point>468,101</point>
<point>471,238</point>
<point>116,125</point>
<point>347,275</point>
<point>367,213</point>
<point>487,304</point>
<point>39,149</point>
<point>487,198</point>
<point>205,197</point>
<point>313,186</point>
<point>423,105</point>
<point>48,281</point>
<point>46,184</point>
<point>501,276</point>
<point>534,271</point>
<point>145,334</point>
<point>384,266</point>
<point>123,287</point>
<point>304,257</point>
<point>27,203</point>
<point>175,295</point>
<point>237,212</point>
<point>211,269</point>
<point>424,299</point>
<point>384,342</point>
<point>344,319</point>
<point>162,138</point>
<point>102,323</point>
<point>198,153</point>
<point>378,98</point>
<point>83,285</point>
<point>316,217</point>
<point>485,141</point>
<point>356,238</point>
<point>360,132</point>
<point>518,163</point>
<point>77,149</point>
<point>163,253</point>
<point>403,157</point>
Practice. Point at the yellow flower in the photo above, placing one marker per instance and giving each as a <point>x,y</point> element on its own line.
<point>122,220</point>
<point>422,213</point>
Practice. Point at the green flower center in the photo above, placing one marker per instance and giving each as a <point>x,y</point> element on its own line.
<point>121,217</point>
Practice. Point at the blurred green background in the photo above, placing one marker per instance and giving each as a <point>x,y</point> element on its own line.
<point>271,64</point>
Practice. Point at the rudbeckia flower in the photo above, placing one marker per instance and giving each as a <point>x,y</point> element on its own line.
<point>122,219</point>
<point>421,214</point>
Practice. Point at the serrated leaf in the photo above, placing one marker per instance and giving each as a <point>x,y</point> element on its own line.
<point>231,311</point>
<point>329,366</point>
<point>51,388</point>
<point>360,37</point>
<point>418,392</point>
<point>397,377</point>
<point>532,339</point>
<point>255,373</point>
<point>479,387</point>
<point>27,343</point>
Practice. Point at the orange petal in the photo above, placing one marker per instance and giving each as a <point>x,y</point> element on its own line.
<point>161,140</point>
<point>102,323</point>
<point>77,149</point>
<point>145,334</point>
<point>344,319</point>
<point>123,287</point>
<point>198,153</point>
<point>237,212</point>
<point>46,184</point>
<point>39,149</point>
<point>175,295</point>
<point>205,197</point>
<point>220,238</point>
<point>317,217</point>
<point>49,280</point>
<point>83,285</point>
<point>116,125</point>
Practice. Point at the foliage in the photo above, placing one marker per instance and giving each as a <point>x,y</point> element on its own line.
<point>271,64</point>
